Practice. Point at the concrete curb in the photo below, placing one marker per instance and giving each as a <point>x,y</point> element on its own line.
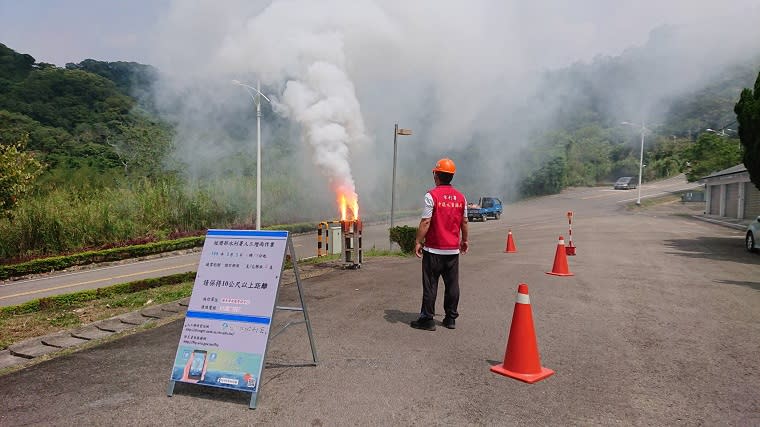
<point>24,352</point>
<point>7,359</point>
<point>62,340</point>
<point>156,313</point>
<point>720,222</point>
<point>27,350</point>
<point>31,348</point>
<point>90,332</point>
<point>134,318</point>
<point>112,325</point>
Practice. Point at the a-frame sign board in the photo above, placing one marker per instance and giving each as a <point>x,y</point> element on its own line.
<point>227,327</point>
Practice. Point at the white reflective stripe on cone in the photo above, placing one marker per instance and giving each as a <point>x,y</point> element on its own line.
<point>523,298</point>
<point>561,241</point>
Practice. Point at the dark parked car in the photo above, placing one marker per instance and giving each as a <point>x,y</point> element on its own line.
<point>625,183</point>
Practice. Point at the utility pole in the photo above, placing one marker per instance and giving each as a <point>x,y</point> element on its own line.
<point>396,132</point>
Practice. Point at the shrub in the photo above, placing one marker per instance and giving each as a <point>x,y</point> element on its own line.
<point>301,227</point>
<point>404,236</point>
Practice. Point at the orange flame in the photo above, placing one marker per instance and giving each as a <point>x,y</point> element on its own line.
<point>348,204</point>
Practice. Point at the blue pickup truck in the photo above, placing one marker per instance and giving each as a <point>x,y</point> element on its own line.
<point>487,207</point>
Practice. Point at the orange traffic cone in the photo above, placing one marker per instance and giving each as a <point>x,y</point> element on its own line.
<point>521,360</point>
<point>560,260</point>
<point>510,243</point>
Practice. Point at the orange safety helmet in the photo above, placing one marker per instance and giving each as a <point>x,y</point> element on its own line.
<point>445,165</point>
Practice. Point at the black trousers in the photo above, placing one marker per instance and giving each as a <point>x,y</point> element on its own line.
<point>433,267</point>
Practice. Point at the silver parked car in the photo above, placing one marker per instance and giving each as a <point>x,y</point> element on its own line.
<point>625,183</point>
<point>752,240</point>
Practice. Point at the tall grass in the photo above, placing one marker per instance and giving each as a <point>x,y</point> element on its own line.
<point>71,218</point>
<point>67,219</point>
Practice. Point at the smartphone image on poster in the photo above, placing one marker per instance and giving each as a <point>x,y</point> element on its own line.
<point>197,365</point>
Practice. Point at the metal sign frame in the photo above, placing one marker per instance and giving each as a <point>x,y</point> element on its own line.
<point>294,261</point>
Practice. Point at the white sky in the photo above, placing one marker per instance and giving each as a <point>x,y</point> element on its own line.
<point>61,31</point>
<point>58,31</point>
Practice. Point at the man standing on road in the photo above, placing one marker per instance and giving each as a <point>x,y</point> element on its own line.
<point>443,219</point>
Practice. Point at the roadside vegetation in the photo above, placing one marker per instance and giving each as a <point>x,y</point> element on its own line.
<point>18,327</point>
<point>52,314</point>
<point>43,265</point>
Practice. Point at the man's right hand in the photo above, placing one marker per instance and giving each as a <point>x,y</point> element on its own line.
<point>418,249</point>
<point>464,246</point>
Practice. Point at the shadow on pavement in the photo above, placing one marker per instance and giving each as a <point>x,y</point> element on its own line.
<point>396,316</point>
<point>752,285</point>
<point>287,364</point>
<point>211,393</point>
<point>713,248</point>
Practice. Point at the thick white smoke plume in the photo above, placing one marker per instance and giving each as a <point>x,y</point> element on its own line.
<point>324,103</point>
<point>299,48</point>
<point>287,42</point>
<point>464,76</point>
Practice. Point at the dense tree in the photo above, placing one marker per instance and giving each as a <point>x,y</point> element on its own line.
<point>588,155</point>
<point>141,146</point>
<point>65,99</point>
<point>748,115</point>
<point>131,78</point>
<point>14,66</point>
<point>667,156</point>
<point>45,139</point>
<point>18,170</point>
<point>547,179</point>
<point>712,153</point>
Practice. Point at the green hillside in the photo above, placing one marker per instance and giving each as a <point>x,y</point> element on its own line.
<point>79,119</point>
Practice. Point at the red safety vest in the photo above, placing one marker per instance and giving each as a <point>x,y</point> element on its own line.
<point>448,210</point>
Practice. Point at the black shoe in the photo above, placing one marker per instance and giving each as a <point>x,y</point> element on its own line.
<point>449,323</point>
<point>426,324</point>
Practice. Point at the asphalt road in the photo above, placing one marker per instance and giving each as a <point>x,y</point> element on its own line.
<point>374,235</point>
<point>20,291</point>
<point>659,326</point>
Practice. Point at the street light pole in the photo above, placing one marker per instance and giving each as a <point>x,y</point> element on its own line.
<point>641,165</point>
<point>393,182</point>
<point>257,101</point>
<point>641,157</point>
<point>396,132</point>
<point>258,156</point>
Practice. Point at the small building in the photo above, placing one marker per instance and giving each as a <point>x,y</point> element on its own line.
<point>729,193</point>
